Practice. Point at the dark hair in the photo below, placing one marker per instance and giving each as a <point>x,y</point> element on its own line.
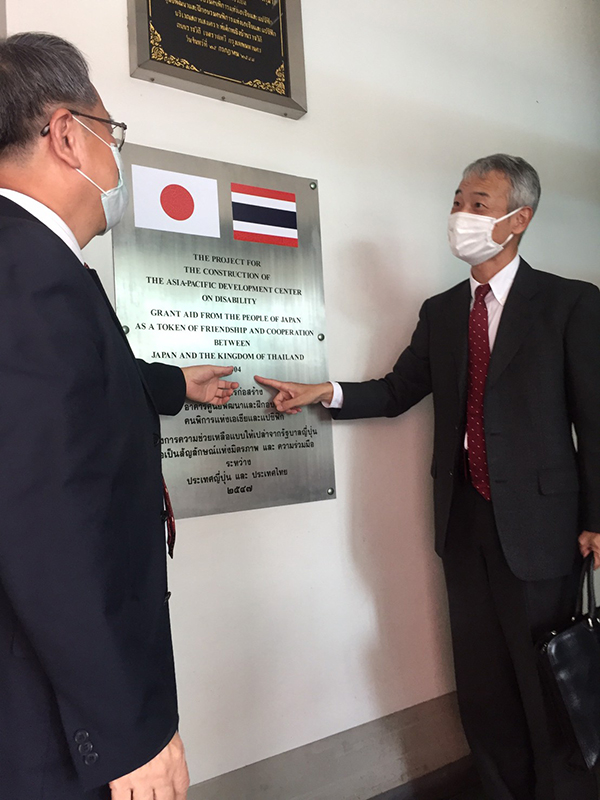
<point>524,180</point>
<point>38,74</point>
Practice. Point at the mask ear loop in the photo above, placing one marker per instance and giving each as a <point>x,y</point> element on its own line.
<point>506,216</point>
<point>83,125</point>
<point>91,181</point>
<point>102,140</point>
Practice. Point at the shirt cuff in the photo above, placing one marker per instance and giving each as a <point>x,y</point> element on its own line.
<point>338,397</point>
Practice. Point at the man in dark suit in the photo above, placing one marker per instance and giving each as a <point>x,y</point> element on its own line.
<point>512,357</point>
<point>87,683</point>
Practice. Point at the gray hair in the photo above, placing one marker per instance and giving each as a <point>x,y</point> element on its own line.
<point>38,74</point>
<point>524,180</point>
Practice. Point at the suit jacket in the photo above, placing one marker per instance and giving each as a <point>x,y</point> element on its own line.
<point>86,665</point>
<point>543,383</point>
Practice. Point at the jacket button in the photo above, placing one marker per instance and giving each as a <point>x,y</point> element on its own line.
<point>91,759</point>
<point>451,473</point>
<point>81,737</point>
<point>86,748</point>
<point>167,597</point>
<point>156,439</point>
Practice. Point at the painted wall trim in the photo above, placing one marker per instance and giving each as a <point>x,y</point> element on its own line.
<point>2,18</point>
<point>361,763</point>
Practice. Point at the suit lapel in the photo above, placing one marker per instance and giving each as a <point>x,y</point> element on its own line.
<point>94,276</point>
<point>517,317</point>
<point>457,324</point>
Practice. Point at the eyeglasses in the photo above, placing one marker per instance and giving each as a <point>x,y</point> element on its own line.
<point>117,129</point>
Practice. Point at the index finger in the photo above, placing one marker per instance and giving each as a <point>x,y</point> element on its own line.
<point>279,385</point>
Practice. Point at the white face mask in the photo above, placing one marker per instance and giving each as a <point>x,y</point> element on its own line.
<point>114,201</point>
<point>470,236</point>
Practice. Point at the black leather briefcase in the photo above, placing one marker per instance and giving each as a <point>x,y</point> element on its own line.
<point>571,660</point>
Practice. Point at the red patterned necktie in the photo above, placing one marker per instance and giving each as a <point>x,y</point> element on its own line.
<point>169,519</point>
<point>168,515</point>
<point>479,359</point>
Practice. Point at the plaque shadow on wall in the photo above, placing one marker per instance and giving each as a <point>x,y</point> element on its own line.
<point>2,19</point>
<point>248,52</point>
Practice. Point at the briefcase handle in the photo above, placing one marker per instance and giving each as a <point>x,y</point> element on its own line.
<point>587,572</point>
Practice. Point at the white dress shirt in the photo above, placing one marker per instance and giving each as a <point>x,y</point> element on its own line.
<point>47,217</point>
<point>495,300</point>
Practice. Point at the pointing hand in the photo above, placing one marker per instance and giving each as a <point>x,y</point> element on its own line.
<point>291,397</point>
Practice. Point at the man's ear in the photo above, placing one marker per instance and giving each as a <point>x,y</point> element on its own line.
<point>522,219</point>
<point>64,139</point>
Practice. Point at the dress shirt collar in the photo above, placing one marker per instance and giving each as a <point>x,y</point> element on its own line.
<point>502,281</point>
<point>47,217</point>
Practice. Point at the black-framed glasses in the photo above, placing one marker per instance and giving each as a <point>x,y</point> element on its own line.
<point>117,129</point>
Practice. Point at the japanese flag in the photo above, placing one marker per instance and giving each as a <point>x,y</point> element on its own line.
<point>172,201</point>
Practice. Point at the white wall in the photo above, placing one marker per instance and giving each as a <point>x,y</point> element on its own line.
<point>295,623</point>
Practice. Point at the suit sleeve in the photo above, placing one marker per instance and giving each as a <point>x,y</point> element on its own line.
<point>166,384</point>
<point>58,565</point>
<point>582,349</point>
<point>407,384</point>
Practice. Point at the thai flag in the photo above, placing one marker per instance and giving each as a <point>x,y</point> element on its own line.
<point>264,215</point>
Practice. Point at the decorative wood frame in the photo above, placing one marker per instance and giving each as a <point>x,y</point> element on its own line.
<point>149,61</point>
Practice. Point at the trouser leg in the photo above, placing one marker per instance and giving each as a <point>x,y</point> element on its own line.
<point>527,610</point>
<point>489,699</point>
<point>495,618</point>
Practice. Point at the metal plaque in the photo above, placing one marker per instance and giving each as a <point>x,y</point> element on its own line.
<point>250,52</point>
<point>221,264</point>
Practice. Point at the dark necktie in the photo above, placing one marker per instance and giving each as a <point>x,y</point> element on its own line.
<point>479,359</point>
<point>168,515</point>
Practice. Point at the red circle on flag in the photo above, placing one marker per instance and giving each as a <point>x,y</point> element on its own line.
<point>177,202</point>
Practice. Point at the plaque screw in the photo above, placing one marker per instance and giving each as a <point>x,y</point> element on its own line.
<point>330,492</point>
<point>321,337</point>
<point>223,98</point>
<point>125,329</point>
<point>313,185</point>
